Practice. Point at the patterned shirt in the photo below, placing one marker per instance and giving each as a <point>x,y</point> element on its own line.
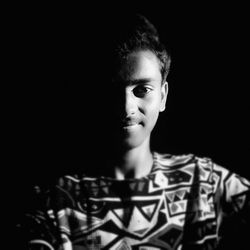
<point>185,202</point>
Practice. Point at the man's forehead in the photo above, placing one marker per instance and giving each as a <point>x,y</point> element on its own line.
<point>139,66</point>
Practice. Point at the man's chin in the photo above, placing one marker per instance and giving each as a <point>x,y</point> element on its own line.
<point>132,142</point>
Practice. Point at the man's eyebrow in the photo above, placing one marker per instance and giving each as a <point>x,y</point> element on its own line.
<point>139,81</point>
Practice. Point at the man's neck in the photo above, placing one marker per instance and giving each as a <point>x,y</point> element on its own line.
<point>134,163</point>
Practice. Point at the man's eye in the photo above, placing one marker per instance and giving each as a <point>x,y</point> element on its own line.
<point>141,91</point>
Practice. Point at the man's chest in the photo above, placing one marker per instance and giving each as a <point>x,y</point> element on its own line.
<point>140,215</point>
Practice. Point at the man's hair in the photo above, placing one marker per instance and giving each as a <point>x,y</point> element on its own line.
<point>135,32</point>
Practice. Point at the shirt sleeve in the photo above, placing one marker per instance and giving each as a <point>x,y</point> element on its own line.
<point>36,228</point>
<point>236,195</point>
<point>234,208</point>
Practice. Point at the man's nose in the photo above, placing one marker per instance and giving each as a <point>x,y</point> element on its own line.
<point>130,104</point>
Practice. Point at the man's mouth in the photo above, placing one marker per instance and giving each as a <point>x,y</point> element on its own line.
<point>130,125</point>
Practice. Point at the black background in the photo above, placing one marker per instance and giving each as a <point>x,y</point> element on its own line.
<point>56,115</point>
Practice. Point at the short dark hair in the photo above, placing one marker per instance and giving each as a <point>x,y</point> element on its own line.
<point>136,32</point>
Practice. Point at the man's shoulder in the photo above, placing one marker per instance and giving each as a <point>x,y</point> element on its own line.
<point>62,183</point>
<point>170,160</point>
<point>189,169</point>
<point>189,161</point>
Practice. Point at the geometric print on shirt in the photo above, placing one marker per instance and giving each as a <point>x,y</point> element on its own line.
<point>181,204</point>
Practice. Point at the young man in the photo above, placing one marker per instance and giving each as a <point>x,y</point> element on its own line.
<point>144,199</point>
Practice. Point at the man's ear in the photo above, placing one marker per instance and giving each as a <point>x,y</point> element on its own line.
<point>164,94</point>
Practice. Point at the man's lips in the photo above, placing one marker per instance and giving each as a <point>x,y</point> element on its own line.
<point>131,124</point>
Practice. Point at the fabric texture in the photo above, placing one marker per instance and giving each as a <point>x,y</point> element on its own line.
<point>186,202</point>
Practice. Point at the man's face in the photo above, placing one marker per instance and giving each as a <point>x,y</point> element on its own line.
<point>140,96</point>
